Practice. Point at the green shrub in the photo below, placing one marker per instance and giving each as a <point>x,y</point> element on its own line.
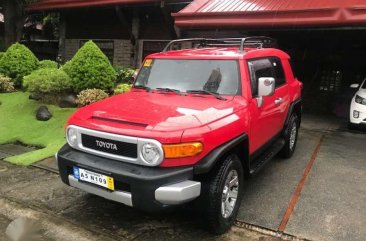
<point>66,66</point>
<point>122,88</point>
<point>1,54</point>
<point>17,62</point>
<point>89,96</point>
<point>47,81</point>
<point>90,68</point>
<point>124,75</point>
<point>6,84</point>
<point>48,64</point>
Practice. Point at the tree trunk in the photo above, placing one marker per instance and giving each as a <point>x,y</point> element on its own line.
<point>14,21</point>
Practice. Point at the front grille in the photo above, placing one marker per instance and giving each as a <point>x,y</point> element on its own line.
<point>109,146</point>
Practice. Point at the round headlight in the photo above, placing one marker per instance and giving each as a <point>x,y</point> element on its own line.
<point>150,153</point>
<point>71,136</point>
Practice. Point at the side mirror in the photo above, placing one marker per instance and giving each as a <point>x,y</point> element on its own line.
<point>266,87</point>
<point>354,86</point>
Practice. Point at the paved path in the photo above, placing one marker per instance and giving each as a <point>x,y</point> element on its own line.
<point>7,150</point>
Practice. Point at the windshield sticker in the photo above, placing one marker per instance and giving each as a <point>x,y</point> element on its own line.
<point>148,63</point>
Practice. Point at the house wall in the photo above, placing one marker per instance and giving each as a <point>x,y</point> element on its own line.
<point>111,32</point>
<point>122,50</point>
<point>103,26</point>
<point>95,23</point>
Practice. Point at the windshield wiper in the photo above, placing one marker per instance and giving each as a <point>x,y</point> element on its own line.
<point>169,90</point>
<point>143,87</point>
<point>206,92</point>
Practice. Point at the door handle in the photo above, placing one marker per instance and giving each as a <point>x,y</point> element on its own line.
<point>278,101</point>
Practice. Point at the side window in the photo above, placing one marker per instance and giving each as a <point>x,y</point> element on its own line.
<point>279,74</point>
<point>259,68</point>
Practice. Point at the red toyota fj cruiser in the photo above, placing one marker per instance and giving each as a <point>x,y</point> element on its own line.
<point>196,122</point>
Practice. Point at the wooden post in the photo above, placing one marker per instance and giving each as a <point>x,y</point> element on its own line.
<point>122,18</point>
<point>62,38</point>
<point>13,21</point>
<point>173,31</point>
<point>135,32</point>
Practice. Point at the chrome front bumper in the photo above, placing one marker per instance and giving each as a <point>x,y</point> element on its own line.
<point>174,194</point>
<point>118,196</point>
<point>178,193</point>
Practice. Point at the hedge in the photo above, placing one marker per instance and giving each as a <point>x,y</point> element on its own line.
<point>90,69</point>
<point>17,62</point>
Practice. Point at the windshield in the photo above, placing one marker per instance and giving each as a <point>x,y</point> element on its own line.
<point>364,84</point>
<point>219,76</point>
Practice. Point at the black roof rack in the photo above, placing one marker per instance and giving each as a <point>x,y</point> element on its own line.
<point>256,41</point>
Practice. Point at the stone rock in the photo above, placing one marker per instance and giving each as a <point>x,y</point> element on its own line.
<point>35,96</point>
<point>68,101</point>
<point>43,113</point>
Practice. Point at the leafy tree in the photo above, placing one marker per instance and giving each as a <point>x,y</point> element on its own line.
<point>90,68</point>
<point>47,81</point>
<point>124,75</point>
<point>48,64</point>
<point>51,24</point>
<point>17,62</point>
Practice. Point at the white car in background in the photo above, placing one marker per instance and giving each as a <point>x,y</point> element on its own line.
<point>358,106</point>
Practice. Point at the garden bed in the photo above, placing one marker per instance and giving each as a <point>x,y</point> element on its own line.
<point>18,124</point>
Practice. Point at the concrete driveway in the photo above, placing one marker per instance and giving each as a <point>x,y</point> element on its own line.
<point>318,194</point>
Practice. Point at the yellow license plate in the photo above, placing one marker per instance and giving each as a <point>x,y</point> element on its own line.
<point>93,177</point>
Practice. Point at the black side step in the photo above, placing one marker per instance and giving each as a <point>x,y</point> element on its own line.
<point>258,163</point>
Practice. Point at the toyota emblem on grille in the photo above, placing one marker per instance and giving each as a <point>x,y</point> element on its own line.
<point>106,145</point>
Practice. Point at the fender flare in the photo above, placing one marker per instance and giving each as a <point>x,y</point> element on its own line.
<point>291,110</point>
<point>209,161</point>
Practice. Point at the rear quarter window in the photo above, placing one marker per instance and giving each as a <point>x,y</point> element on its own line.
<point>279,73</point>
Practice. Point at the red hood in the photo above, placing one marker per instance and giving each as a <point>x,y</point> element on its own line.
<point>149,111</point>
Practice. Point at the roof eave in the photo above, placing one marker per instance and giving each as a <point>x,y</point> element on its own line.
<point>64,4</point>
<point>294,18</point>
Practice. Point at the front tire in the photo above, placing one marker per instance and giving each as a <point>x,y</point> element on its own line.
<point>290,136</point>
<point>222,195</point>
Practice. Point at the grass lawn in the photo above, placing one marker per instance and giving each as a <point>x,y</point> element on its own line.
<point>18,123</point>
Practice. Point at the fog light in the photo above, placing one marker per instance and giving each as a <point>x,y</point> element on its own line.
<point>356,114</point>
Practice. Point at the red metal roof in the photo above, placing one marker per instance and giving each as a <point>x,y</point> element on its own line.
<point>271,13</point>
<point>67,4</point>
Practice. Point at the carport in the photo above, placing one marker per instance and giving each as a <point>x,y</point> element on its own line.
<point>318,194</point>
<point>326,39</point>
